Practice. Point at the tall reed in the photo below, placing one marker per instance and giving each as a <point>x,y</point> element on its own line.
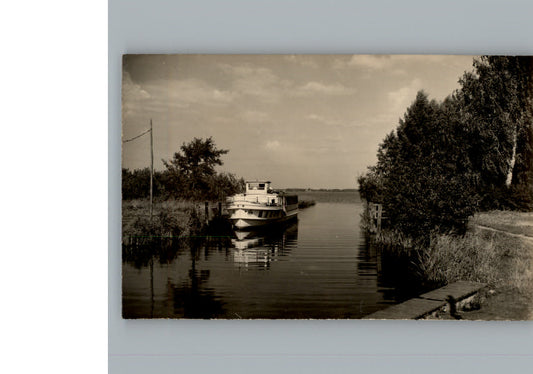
<point>488,257</point>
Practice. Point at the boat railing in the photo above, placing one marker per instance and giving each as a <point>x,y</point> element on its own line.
<point>265,199</point>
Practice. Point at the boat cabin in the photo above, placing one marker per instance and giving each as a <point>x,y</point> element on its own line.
<point>257,187</point>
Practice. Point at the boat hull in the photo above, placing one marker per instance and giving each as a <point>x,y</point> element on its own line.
<point>260,207</point>
<point>251,223</point>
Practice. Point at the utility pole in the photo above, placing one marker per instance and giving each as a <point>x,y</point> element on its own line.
<point>151,163</point>
<point>151,168</point>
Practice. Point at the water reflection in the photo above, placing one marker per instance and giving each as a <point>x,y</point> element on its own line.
<point>141,256</point>
<point>322,266</point>
<point>259,248</point>
<point>396,276</point>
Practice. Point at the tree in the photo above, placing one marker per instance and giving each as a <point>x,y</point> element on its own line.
<point>424,189</point>
<point>496,111</point>
<point>472,151</point>
<point>190,172</point>
<point>225,184</point>
<point>422,175</point>
<point>136,184</point>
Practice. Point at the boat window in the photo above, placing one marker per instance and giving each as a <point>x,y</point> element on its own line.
<point>256,186</point>
<point>260,213</point>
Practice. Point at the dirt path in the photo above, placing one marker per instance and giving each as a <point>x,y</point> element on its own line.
<point>525,237</point>
<point>504,303</point>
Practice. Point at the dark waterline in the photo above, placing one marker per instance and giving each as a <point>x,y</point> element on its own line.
<point>322,266</point>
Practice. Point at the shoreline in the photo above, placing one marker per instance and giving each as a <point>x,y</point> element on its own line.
<point>488,253</point>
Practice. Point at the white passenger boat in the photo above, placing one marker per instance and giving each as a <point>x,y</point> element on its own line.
<point>260,206</point>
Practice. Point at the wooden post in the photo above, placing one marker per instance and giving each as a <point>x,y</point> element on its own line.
<point>206,212</point>
<point>372,215</point>
<point>151,169</point>
<point>219,209</point>
<point>379,210</point>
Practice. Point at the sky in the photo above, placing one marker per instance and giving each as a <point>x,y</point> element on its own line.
<point>301,121</point>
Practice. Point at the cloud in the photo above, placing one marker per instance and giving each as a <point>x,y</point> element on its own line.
<point>254,116</point>
<point>306,61</point>
<point>272,145</point>
<point>263,84</point>
<point>371,62</point>
<point>335,89</point>
<point>133,90</point>
<point>345,124</point>
<point>396,64</point>
<point>322,119</point>
<point>162,96</point>
<point>133,95</point>
<point>401,98</point>
<point>258,82</point>
<point>194,91</point>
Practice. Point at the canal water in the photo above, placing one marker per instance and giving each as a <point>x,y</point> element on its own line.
<point>322,266</point>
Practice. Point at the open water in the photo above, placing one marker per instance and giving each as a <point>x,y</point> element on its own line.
<point>322,266</point>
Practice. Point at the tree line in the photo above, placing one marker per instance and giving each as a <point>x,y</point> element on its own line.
<point>471,152</point>
<point>189,175</point>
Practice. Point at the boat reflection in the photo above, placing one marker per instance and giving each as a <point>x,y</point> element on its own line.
<point>261,247</point>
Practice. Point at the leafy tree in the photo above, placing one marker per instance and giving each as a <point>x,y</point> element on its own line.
<point>193,166</point>
<point>136,184</point>
<point>425,188</point>
<point>225,184</point>
<point>422,175</point>
<point>471,151</point>
<point>191,173</point>
<point>495,108</point>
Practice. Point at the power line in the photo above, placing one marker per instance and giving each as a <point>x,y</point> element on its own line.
<point>138,136</point>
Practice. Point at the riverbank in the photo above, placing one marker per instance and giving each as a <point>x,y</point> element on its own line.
<point>170,219</point>
<point>496,250</point>
<point>511,298</point>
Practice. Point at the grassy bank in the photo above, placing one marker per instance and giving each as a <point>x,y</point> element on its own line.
<point>502,258</point>
<point>489,257</point>
<point>514,222</point>
<point>170,219</point>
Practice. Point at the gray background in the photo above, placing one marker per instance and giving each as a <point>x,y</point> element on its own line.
<point>380,26</point>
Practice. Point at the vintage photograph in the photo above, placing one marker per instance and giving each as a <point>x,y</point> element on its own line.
<point>327,187</point>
